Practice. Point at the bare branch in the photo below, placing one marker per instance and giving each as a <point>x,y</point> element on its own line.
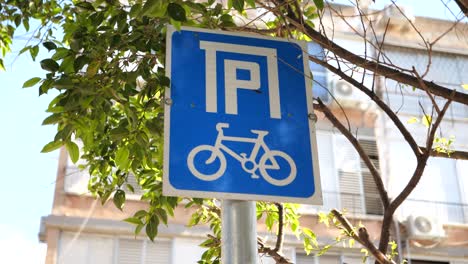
<point>417,174</point>
<point>375,174</point>
<point>277,256</point>
<point>376,67</point>
<point>280,235</point>
<point>455,154</point>
<point>362,237</point>
<point>392,115</point>
<point>423,85</point>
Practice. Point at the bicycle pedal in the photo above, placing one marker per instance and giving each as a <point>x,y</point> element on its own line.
<point>254,176</point>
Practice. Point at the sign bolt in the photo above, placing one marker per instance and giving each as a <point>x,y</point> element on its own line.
<point>313,117</point>
<point>168,101</point>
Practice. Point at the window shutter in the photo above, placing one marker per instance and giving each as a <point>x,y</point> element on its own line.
<point>372,201</point>
<point>158,252</point>
<point>100,250</point>
<point>349,175</point>
<point>327,170</point>
<point>352,260</point>
<point>330,259</point>
<point>72,250</point>
<point>130,251</point>
<point>305,259</point>
<point>85,249</point>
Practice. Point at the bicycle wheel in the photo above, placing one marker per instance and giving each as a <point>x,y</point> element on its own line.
<point>273,156</point>
<point>218,155</point>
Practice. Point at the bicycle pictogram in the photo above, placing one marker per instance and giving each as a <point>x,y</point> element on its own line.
<point>268,161</point>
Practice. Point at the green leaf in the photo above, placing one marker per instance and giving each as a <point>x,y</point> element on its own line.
<point>251,3</point>
<point>73,151</point>
<point>323,250</point>
<point>140,214</point>
<point>31,82</point>
<point>51,146</point>
<point>152,227</point>
<point>121,158</point>
<point>49,45</point>
<point>93,68</point>
<point>130,188</point>
<point>427,120</point>
<point>319,4</point>
<point>412,120</point>
<point>138,229</point>
<point>119,199</point>
<point>133,220</point>
<point>26,23</point>
<point>86,6</point>
<point>34,51</point>
<point>162,214</point>
<point>49,65</point>
<point>52,119</point>
<point>2,66</point>
<point>176,12</point>
<point>153,8</point>
<point>238,5</point>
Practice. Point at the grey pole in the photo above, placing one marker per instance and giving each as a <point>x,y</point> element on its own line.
<point>239,232</point>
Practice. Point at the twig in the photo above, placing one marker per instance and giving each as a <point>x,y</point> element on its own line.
<point>406,134</point>
<point>374,66</point>
<point>375,174</point>
<point>455,154</point>
<point>277,256</point>
<point>417,174</point>
<point>362,236</point>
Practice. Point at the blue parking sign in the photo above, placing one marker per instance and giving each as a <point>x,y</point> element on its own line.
<point>237,120</point>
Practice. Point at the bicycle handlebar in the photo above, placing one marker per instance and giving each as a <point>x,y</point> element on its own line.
<point>220,126</point>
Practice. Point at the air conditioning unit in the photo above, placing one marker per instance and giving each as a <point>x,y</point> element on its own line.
<point>346,94</point>
<point>424,227</point>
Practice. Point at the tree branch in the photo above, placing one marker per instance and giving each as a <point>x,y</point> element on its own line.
<point>277,256</point>
<point>362,237</point>
<point>456,154</point>
<point>376,67</point>
<point>280,235</point>
<point>375,174</point>
<point>392,115</point>
<point>417,174</point>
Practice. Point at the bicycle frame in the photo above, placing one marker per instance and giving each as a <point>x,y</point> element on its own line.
<point>259,144</point>
<point>249,163</point>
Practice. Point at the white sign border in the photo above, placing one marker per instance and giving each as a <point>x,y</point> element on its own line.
<point>169,190</point>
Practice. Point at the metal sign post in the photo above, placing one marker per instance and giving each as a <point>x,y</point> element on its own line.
<point>237,127</point>
<point>239,232</point>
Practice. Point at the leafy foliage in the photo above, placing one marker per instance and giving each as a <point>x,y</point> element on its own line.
<point>106,62</point>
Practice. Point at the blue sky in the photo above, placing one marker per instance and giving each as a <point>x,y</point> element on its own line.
<point>28,176</point>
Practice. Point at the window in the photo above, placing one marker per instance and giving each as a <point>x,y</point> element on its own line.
<point>76,182</point>
<point>417,261</point>
<point>89,249</point>
<point>346,180</point>
<point>446,69</point>
<point>330,259</point>
<point>319,85</point>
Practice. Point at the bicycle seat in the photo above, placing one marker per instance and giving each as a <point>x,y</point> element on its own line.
<point>259,132</point>
<point>220,126</point>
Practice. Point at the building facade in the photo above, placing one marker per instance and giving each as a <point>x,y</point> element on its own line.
<point>431,225</point>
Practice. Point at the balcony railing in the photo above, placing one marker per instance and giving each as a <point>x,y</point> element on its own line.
<point>359,204</point>
<point>444,212</point>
